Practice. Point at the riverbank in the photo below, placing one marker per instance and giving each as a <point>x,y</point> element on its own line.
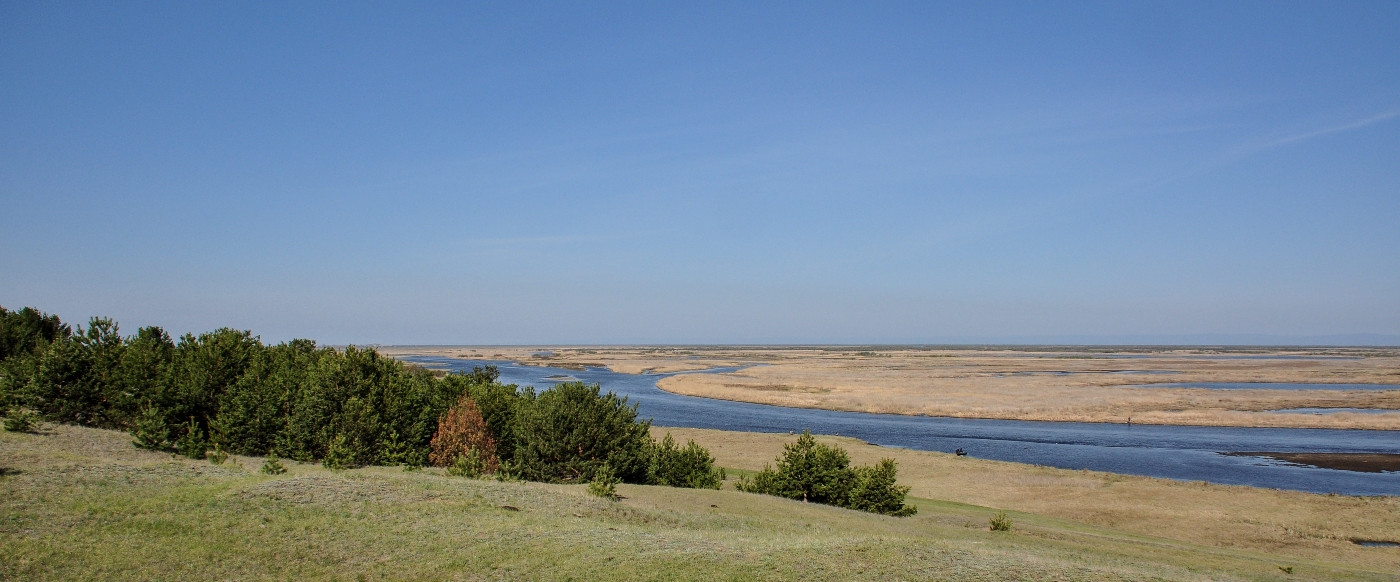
<point>79,503</point>
<point>1100,385</point>
<point>1319,527</point>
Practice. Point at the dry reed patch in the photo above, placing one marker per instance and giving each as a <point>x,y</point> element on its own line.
<point>1079,385</point>
<point>1025,387</point>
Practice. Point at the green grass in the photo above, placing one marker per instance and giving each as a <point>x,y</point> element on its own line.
<point>83,504</point>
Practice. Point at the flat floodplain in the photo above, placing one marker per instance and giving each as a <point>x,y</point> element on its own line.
<point>79,503</point>
<point>1072,384</point>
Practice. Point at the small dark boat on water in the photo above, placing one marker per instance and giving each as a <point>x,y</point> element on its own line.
<point>960,452</point>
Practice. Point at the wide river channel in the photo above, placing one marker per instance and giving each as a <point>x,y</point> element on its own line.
<point>1189,453</point>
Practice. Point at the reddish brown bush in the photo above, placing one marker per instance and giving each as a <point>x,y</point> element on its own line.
<point>462,429</point>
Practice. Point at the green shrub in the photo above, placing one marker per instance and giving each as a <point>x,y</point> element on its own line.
<point>217,456</point>
<point>339,455</point>
<point>507,471</point>
<point>272,466</point>
<point>691,467</point>
<point>21,420</point>
<point>1000,522</point>
<point>469,464</point>
<point>604,483</point>
<point>571,430</point>
<point>27,331</point>
<point>807,470</point>
<point>192,443</point>
<point>344,408</point>
<point>812,471</point>
<point>150,431</point>
<point>875,491</point>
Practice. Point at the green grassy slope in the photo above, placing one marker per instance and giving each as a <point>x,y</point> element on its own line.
<point>83,504</point>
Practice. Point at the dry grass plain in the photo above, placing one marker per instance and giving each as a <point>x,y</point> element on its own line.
<point>1052,384</point>
<point>1319,527</point>
<point>82,504</point>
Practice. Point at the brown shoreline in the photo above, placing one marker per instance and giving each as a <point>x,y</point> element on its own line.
<point>1047,384</point>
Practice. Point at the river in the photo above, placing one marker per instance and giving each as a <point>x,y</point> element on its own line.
<point>1190,453</point>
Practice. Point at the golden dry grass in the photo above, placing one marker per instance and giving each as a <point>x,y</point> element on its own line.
<point>1054,385</point>
<point>1237,517</point>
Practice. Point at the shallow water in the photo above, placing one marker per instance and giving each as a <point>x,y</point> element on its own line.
<point>1175,452</point>
<point>1270,386</point>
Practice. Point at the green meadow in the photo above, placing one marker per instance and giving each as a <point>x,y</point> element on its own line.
<point>82,503</point>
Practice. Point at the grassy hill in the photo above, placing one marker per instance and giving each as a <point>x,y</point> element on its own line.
<point>80,503</point>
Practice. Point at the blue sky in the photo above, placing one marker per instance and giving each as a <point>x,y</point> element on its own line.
<point>717,173</point>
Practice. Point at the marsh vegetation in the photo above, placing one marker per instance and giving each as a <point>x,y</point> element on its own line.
<point>1080,384</point>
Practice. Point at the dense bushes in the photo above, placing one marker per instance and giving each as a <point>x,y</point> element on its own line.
<point>223,389</point>
<point>226,390</point>
<point>811,471</point>
<point>566,433</point>
<point>690,466</point>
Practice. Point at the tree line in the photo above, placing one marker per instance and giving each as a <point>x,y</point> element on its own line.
<point>225,391</point>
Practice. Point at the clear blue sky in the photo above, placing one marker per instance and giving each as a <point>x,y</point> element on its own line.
<point>805,172</point>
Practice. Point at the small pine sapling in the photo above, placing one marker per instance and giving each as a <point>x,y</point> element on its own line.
<point>192,443</point>
<point>469,465</point>
<point>21,420</point>
<point>217,456</point>
<point>1000,522</point>
<point>604,483</point>
<point>273,466</point>
<point>338,454</point>
<point>150,431</point>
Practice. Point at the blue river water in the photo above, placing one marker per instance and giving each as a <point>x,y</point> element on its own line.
<point>1174,452</point>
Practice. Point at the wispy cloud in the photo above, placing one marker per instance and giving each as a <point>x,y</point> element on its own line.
<point>1251,148</point>
<point>1382,118</point>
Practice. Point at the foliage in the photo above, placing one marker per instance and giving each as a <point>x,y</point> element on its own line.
<point>462,432</point>
<point>273,466</point>
<point>807,470</point>
<point>1000,522</point>
<point>150,431</point>
<point>875,491</point>
<point>20,420</point>
<point>27,331</point>
<point>691,466</point>
<point>340,454</point>
<point>192,443</point>
<point>568,432</point>
<point>346,408</point>
<point>499,405</point>
<point>471,463</point>
<point>604,483</point>
<point>217,456</point>
<point>812,471</point>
